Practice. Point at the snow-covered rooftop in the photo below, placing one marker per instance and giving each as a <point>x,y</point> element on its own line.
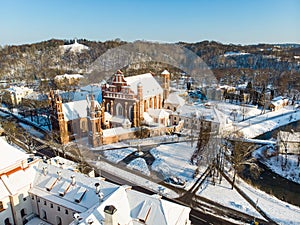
<point>175,99</point>
<point>12,155</point>
<point>76,109</point>
<point>150,86</point>
<point>158,113</point>
<point>132,206</point>
<point>79,197</point>
<point>117,131</point>
<point>16,89</point>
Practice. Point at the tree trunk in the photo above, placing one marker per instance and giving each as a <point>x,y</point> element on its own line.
<point>233,180</point>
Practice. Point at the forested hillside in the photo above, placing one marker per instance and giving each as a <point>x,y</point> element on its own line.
<point>276,64</point>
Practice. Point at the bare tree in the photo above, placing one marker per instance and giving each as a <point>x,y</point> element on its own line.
<point>240,156</point>
<point>284,139</point>
<point>202,143</point>
<point>244,110</point>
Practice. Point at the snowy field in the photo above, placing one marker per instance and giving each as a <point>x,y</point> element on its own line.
<point>224,195</point>
<point>118,155</point>
<point>242,112</point>
<point>140,165</point>
<point>174,160</point>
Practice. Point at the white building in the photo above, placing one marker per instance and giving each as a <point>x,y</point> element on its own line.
<point>14,94</point>
<point>174,101</point>
<point>16,178</point>
<point>192,115</point>
<point>39,193</point>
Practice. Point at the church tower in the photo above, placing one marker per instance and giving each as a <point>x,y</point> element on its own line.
<point>166,84</point>
<point>140,113</point>
<point>63,126</point>
<point>94,122</point>
<point>57,119</point>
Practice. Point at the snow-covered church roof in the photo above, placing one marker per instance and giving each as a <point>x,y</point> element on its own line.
<point>76,109</point>
<point>150,86</point>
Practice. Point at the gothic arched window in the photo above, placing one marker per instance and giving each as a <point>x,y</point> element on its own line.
<point>119,109</point>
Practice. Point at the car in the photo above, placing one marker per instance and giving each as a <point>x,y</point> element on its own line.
<point>175,181</point>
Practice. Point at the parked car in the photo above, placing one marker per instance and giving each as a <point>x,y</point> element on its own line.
<point>175,181</point>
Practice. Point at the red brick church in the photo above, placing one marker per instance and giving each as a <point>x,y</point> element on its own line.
<point>125,100</point>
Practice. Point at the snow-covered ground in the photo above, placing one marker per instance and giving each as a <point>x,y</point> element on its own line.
<point>31,130</point>
<point>135,179</point>
<point>242,112</point>
<point>224,195</point>
<point>174,160</point>
<point>41,121</point>
<point>274,162</point>
<point>75,47</point>
<point>118,155</point>
<point>280,211</point>
<point>140,165</point>
<point>267,122</point>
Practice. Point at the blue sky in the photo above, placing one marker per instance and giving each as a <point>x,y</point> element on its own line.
<point>226,21</point>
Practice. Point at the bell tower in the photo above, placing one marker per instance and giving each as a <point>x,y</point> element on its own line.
<point>166,84</point>
<point>95,136</point>
<point>140,109</point>
<point>63,126</point>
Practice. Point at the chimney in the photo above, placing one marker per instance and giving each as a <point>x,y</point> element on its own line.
<point>45,170</point>
<point>110,215</point>
<point>58,175</point>
<point>97,185</point>
<point>76,218</point>
<point>90,221</point>
<point>101,196</point>
<point>73,181</point>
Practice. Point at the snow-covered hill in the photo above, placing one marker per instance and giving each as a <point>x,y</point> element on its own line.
<point>75,47</point>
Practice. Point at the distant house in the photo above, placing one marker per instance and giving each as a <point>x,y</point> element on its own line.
<point>193,116</point>
<point>278,103</point>
<point>13,95</point>
<point>174,101</point>
<point>66,80</point>
<point>215,94</point>
<point>288,141</point>
<point>160,116</point>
